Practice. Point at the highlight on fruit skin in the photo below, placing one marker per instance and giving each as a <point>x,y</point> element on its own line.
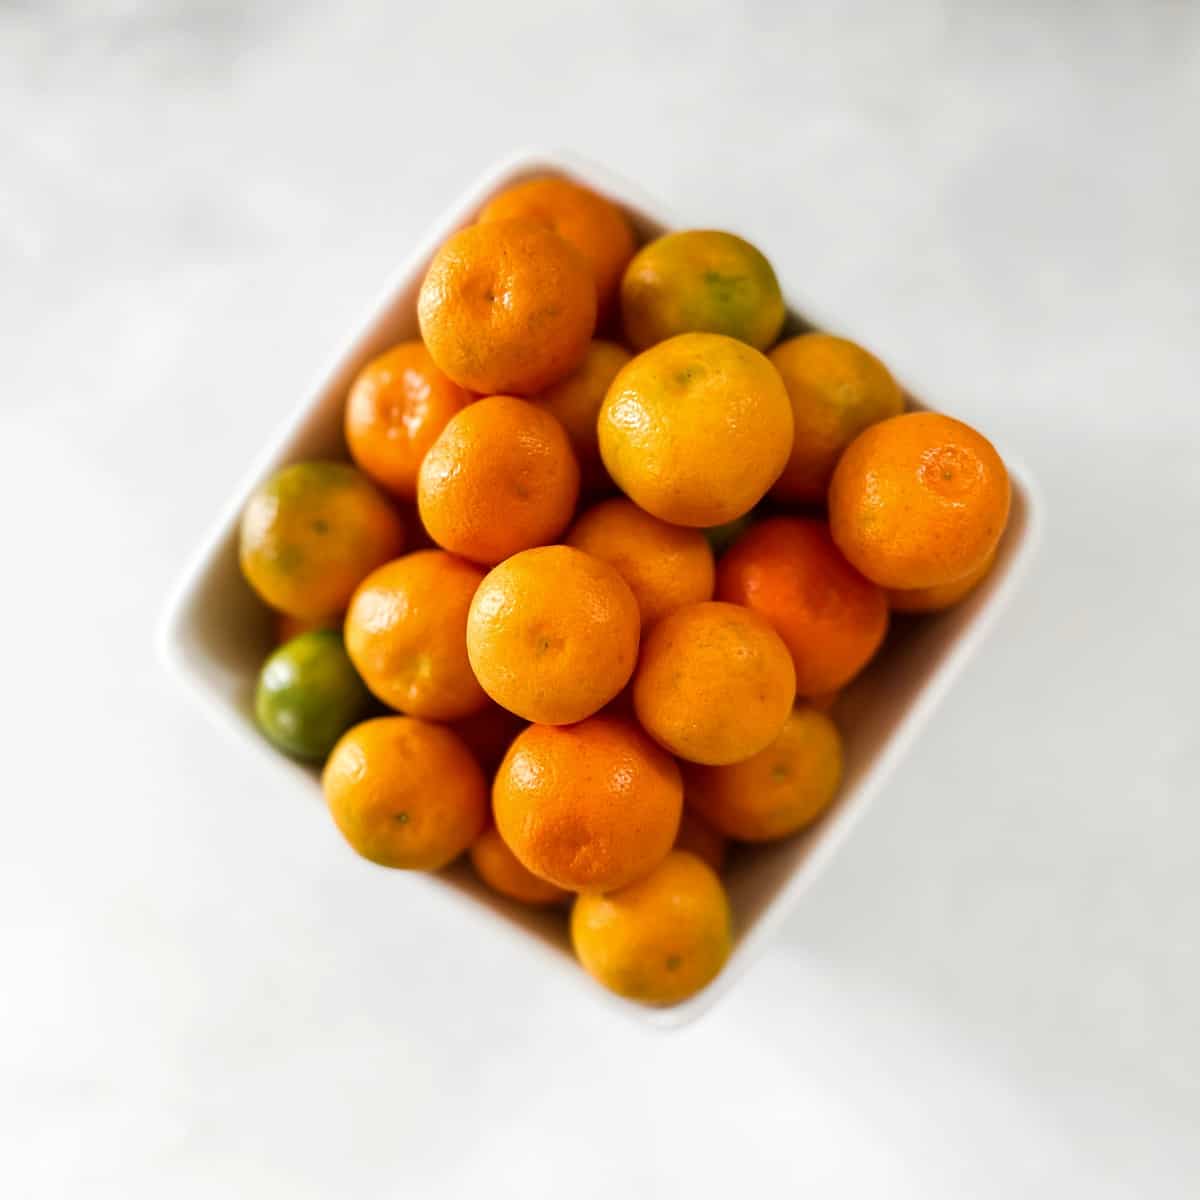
<point>660,940</point>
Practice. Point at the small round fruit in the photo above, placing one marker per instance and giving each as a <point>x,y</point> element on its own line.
<point>287,627</point>
<point>406,633</point>
<point>698,837</point>
<point>788,570</point>
<point>700,281</point>
<point>596,227</point>
<point>666,566</point>
<point>552,634</point>
<point>501,870</point>
<point>508,306</point>
<point>308,695</point>
<point>589,807</point>
<point>837,389</point>
<point>576,402</point>
<point>715,683</point>
<point>696,429</point>
<point>405,793</point>
<point>500,478</point>
<point>659,940</point>
<point>312,533</point>
<point>396,408</point>
<point>779,791</point>
<point>918,501</point>
<point>935,599</point>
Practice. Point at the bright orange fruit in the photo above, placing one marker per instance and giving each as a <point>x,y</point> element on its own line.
<point>501,870</point>
<point>935,599</point>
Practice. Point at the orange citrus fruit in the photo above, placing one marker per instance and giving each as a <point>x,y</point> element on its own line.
<point>782,789</point>
<point>397,406</point>
<point>698,837</point>
<point>918,501</point>
<point>500,869</point>
<point>659,940</point>
<point>837,389</point>
<point>405,792</point>
<point>589,807</point>
<point>553,634</point>
<point>700,281</point>
<point>311,533</point>
<point>596,227</point>
<point>715,683</point>
<point>666,566</point>
<point>500,478</point>
<point>576,402</point>
<point>406,635</point>
<point>833,620</point>
<point>935,599</point>
<point>508,306</point>
<point>696,429</point>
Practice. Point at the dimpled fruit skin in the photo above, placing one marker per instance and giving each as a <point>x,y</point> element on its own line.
<point>405,793</point>
<point>576,402</point>
<point>589,807</point>
<point>837,389</point>
<point>701,281</point>
<point>696,429</point>
<point>553,634</point>
<point>311,533</point>
<point>666,566</point>
<point>500,478</point>
<point>935,599</point>
<point>660,940</point>
<point>308,695</point>
<point>507,306</point>
<point>501,870</point>
<point>714,684</point>
<point>782,789</point>
<point>596,227</point>
<point>918,501</point>
<point>397,406</point>
<point>832,619</point>
<point>406,632</point>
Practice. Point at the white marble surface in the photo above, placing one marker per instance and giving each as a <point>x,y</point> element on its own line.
<point>993,992</point>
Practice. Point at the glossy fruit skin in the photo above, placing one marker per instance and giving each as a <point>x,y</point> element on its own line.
<point>938,599</point>
<point>589,807</point>
<point>308,695</point>
<point>701,281</point>
<point>507,307</point>
<point>837,390</point>
<point>714,683</point>
<point>405,793</point>
<point>659,940</point>
<point>779,791</point>
<point>397,406</point>
<point>698,837</point>
<point>406,633</point>
<point>596,227</point>
<point>918,501</point>
<point>502,871</point>
<point>832,619</point>
<point>666,566</point>
<point>311,533</point>
<point>576,402</point>
<point>500,478</point>
<point>696,429</point>
<point>552,634</point>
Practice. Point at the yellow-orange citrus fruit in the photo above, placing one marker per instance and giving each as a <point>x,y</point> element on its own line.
<point>589,807</point>
<point>405,792</point>
<point>659,940</point>
<point>500,869</point>
<point>552,634</point>
<point>935,599</point>
<point>918,501</point>
<point>696,429</point>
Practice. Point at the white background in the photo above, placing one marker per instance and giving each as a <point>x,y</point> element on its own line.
<point>994,991</point>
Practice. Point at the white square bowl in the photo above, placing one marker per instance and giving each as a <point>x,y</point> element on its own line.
<point>215,632</point>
